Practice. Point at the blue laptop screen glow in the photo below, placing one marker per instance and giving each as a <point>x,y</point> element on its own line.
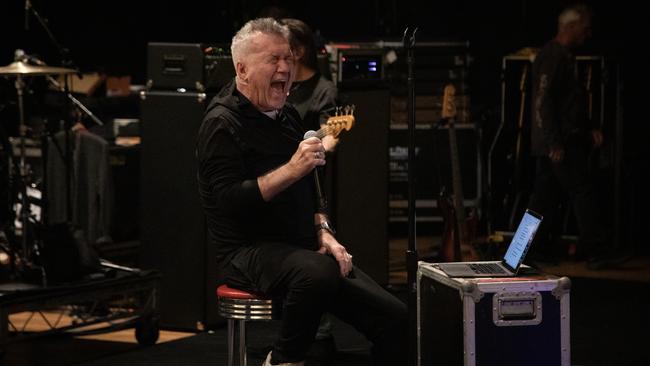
<point>524,234</point>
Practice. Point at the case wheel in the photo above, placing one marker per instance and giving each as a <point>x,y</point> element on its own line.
<point>147,331</point>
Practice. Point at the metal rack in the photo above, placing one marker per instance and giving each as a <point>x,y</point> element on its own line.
<point>123,298</point>
<point>437,64</point>
<point>426,202</point>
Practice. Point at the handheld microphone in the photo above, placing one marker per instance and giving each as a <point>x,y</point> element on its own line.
<point>322,200</point>
<point>310,133</point>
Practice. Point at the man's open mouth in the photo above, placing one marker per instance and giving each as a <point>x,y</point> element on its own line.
<point>278,85</point>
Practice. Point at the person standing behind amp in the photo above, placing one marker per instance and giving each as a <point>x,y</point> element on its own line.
<point>256,184</point>
<point>561,139</point>
<point>313,95</point>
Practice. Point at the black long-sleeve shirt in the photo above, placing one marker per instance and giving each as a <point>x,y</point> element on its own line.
<point>236,144</point>
<point>558,108</point>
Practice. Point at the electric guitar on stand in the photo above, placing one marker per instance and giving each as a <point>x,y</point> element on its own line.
<point>459,226</point>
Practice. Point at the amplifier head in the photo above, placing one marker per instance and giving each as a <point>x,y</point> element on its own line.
<point>173,66</point>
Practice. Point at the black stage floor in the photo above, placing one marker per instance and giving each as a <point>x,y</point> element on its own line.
<point>349,348</point>
<point>610,325</point>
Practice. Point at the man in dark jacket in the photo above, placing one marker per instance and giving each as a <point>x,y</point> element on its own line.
<point>255,180</point>
<point>562,137</point>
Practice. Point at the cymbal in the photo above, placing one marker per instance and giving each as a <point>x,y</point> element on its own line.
<point>22,68</point>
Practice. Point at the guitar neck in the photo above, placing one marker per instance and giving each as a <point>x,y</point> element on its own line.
<point>522,105</point>
<point>457,183</point>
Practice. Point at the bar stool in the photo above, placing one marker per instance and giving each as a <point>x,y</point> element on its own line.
<point>237,307</point>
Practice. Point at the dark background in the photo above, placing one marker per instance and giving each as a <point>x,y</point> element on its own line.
<point>111,37</point>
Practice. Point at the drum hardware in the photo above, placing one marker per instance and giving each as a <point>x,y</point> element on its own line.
<point>26,258</point>
<point>20,70</point>
<point>21,67</point>
<point>40,65</point>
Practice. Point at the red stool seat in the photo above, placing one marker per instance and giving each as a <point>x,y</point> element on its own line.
<point>233,293</point>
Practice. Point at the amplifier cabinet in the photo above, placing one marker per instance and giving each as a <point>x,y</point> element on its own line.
<point>173,232</point>
<point>520,320</point>
<point>360,190</point>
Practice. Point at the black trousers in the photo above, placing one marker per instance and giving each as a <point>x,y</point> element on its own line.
<point>310,284</point>
<point>556,180</point>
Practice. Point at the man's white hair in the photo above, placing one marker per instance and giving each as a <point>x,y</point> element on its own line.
<point>239,47</point>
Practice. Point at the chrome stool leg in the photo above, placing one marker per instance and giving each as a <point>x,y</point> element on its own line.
<point>242,343</point>
<point>231,341</point>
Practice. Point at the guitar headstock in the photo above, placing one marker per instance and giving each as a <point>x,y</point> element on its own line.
<point>449,102</point>
<point>342,120</point>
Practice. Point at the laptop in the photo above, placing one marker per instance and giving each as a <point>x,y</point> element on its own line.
<point>512,260</point>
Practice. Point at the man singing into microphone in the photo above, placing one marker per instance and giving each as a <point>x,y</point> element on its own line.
<point>256,183</point>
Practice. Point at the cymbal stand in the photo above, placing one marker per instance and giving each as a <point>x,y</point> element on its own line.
<point>61,88</point>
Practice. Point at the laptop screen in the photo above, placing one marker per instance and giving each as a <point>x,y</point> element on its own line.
<point>521,240</point>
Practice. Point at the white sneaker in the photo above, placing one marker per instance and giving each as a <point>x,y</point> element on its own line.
<point>267,362</point>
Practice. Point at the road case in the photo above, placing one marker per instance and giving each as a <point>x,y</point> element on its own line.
<point>521,320</point>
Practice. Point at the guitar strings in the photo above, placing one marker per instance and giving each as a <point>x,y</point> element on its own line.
<point>323,131</point>
<point>333,127</point>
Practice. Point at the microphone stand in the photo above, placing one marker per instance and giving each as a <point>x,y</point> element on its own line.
<point>28,6</point>
<point>411,252</point>
<point>63,52</point>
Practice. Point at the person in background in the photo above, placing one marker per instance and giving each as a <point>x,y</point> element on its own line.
<point>312,94</point>
<point>561,140</point>
<point>257,189</point>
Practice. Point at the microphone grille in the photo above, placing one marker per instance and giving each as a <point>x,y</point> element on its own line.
<point>310,133</point>
<point>19,55</point>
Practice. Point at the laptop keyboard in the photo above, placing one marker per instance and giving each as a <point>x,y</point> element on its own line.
<point>486,268</point>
